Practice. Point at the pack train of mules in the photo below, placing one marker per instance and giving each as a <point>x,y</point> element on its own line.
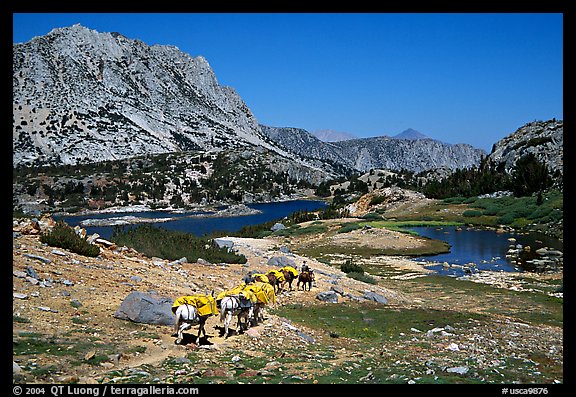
<point>245,301</point>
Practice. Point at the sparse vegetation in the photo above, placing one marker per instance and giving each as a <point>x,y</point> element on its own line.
<point>173,245</point>
<point>349,267</point>
<point>64,236</point>
<point>178,179</point>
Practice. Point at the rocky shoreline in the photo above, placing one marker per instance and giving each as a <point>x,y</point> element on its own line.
<point>230,211</point>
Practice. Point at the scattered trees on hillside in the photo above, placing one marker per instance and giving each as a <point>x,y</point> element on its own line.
<point>530,176</point>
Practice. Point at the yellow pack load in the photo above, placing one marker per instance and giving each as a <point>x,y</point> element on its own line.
<point>262,277</point>
<point>269,291</point>
<point>264,292</point>
<point>290,269</point>
<point>205,304</point>
<point>238,290</point>
<point>278,274</point>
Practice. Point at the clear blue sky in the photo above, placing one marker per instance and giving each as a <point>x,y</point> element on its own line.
<point>460,78</point>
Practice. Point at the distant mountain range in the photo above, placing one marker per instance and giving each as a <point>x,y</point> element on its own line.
<point>410,134</point>
<point>382,152</point>
<point>335,136</point>
<point>81,96</point>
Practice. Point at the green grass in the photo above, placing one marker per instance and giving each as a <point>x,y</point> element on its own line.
<point>509,209</point>
<point>401,225</point>
<point>297,230</point>
<point>518,212</point>
<point>528,306</point>
<point>349,227</point>
<point>369,322</point>
<point>28,344</point>
<point>374,328</point>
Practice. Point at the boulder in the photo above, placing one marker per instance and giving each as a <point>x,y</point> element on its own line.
<point>373,296</point>
<point>277,226</point>
<point>146,308</point>
<point>328,296</point>
<point>224,243</point>
<point>281,261</point>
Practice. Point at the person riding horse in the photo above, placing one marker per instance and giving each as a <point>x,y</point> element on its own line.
<point>306,276</point>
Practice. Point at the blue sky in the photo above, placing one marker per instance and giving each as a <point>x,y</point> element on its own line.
<point>460,78</point>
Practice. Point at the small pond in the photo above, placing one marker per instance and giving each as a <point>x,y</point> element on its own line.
<point>486,248</point>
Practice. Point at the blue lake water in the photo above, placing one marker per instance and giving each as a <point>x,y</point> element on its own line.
<point>198,225</point>
<point>484,247</point>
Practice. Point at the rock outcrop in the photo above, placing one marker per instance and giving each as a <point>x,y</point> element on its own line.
<point>543,139</point>
<point>84,96</point>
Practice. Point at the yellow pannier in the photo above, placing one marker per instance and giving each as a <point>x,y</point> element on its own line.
<point>264,292</point>
<point>205,304</point>
<point>291,270</point>
<point>279,275</point>
<point>238,290</point>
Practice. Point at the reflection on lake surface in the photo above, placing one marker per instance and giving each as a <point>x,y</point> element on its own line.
<point>191,223</point>
<point>483,247</point>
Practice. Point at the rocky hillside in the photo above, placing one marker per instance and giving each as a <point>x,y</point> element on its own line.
<point>177,180</point>
<point>409,327</point>
<point>543,139</point>
<point>380,152</point>
<point>84,96</point>
<point>333,136</point>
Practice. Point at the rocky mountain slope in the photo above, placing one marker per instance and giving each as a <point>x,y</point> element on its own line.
<point>80,96</point>
<point>85,96</point>
<point>333,136</point>
<point>544,139</point>
<point>378,152</point>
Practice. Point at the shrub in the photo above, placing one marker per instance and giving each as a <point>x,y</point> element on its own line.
<point>356,272</point>
<point>454,200</point>
<point>471,213</point>
<point>377,200</point>
<point>371,216</point>
<point>350,267</point>
<point>505,219</point>
<point>491,210</point>
<point>361,276</point>
<point>172,245</point>
<point>63,236</point>
<point>349,227</point>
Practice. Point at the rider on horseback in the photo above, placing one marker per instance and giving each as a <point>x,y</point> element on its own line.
<point>306,268</point>
<point>306,276</point>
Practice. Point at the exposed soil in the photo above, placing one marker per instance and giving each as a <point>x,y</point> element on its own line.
<point>64,329</point>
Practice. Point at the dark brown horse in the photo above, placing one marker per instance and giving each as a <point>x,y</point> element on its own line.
<point>305,277</point>
<point>288,278</point>
<point>273,281</point>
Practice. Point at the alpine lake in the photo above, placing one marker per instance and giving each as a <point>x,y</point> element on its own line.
<point>485,249</point>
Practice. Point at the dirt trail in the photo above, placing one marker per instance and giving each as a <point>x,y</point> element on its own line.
<point>64,328</point>
<point>99,285</point>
